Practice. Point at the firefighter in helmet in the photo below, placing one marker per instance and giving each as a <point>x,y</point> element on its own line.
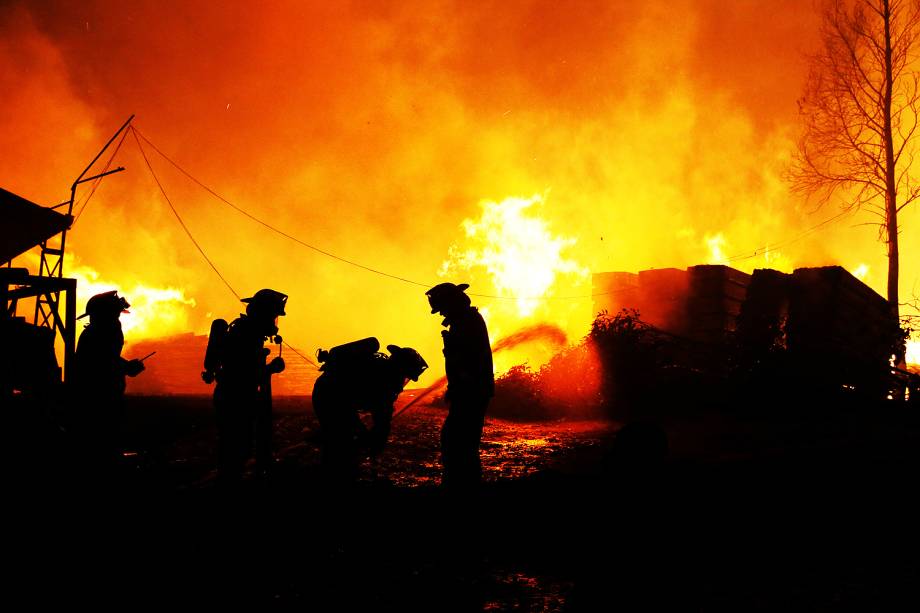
<point>100,376</point>
<point>357,379</point>
<point>470,383</point>
<point>236,358</point>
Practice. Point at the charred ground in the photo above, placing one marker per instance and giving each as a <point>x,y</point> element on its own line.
<point>809,508</point>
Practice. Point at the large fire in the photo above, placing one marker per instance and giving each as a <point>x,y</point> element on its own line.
<point>913,352</point>
<point>716,246</point>
<point>518,251</point>
<point>512,252</point>
<point>374,131</point>
<point>154,311</point>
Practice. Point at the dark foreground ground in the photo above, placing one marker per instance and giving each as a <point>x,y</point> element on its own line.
<point>787,510</point>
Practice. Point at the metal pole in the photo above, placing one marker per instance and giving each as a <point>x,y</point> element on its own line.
<point>98,155</point>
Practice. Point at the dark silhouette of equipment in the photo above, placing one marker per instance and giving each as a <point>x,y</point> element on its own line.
<point>28,361</point>
<point>216,340</point>
<point>348,354</point>
<point>28,357</point>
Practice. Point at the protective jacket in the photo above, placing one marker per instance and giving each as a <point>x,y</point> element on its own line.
<point>100,369</point>
<point>468,356</point>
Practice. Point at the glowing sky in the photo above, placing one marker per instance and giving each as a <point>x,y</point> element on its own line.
<point>377,130</point>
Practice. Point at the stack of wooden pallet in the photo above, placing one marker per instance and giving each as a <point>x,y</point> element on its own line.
<point>839,323</point>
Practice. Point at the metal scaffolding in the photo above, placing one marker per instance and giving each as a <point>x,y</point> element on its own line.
<point>27,225</point>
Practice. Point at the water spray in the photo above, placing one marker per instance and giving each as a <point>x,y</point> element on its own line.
<point>550,333</point>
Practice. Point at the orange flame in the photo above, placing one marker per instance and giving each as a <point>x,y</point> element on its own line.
<point>716,243</point>
<point>913,352</point>
<point>524,260</point>
<point>518,251</point>
<point>861,272</point>
<point>391,121</point>
<point>154,311</point>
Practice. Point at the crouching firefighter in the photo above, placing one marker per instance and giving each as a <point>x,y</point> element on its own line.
<point>357,379</point>
<point>236,358</point>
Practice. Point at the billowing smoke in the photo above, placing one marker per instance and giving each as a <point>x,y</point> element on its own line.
<point>374,129</point>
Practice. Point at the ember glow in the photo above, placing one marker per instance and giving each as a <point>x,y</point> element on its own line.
<point>389,134</point>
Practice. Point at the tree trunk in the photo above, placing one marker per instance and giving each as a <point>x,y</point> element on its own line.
<point>891,192</point>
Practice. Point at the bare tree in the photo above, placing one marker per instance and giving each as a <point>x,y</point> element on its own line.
<point>860,112</point>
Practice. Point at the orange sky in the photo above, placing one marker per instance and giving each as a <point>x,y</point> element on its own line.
<point>373,130</point>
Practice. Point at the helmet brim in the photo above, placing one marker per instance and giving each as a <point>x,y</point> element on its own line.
<point>87,314</point>
<point>444,292</point>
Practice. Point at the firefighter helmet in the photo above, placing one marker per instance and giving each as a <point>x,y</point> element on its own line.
<point>266,301</point>
<point>106,303</point>
<point>408,360</point>
<point>447,295</point>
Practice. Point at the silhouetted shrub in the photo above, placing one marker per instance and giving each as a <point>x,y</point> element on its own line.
<point>616,361</point>
<point>623,369</point>
<point>565,387</point>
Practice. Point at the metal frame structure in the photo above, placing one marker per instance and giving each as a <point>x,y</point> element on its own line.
<point>47,305</point>
<point>47,285</point>
<point>16,284</point>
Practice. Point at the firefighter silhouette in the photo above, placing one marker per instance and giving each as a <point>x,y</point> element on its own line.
<point>470,383</point>
<point>236,358</point>
<point>100,377</point>
<point>356,378</point>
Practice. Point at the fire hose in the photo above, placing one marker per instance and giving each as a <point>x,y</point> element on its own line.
<point>545,332</point>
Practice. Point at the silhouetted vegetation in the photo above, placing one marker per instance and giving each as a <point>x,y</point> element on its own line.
<point>859,109</point>
<point>626,369</point>
<point>562,388</point>
<point>585,379</point>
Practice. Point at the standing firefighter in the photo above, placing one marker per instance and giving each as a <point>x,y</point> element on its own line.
<point>236,357</point>
<point>100,377</point>
<point>470,383</point>
<point>357,379</point>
